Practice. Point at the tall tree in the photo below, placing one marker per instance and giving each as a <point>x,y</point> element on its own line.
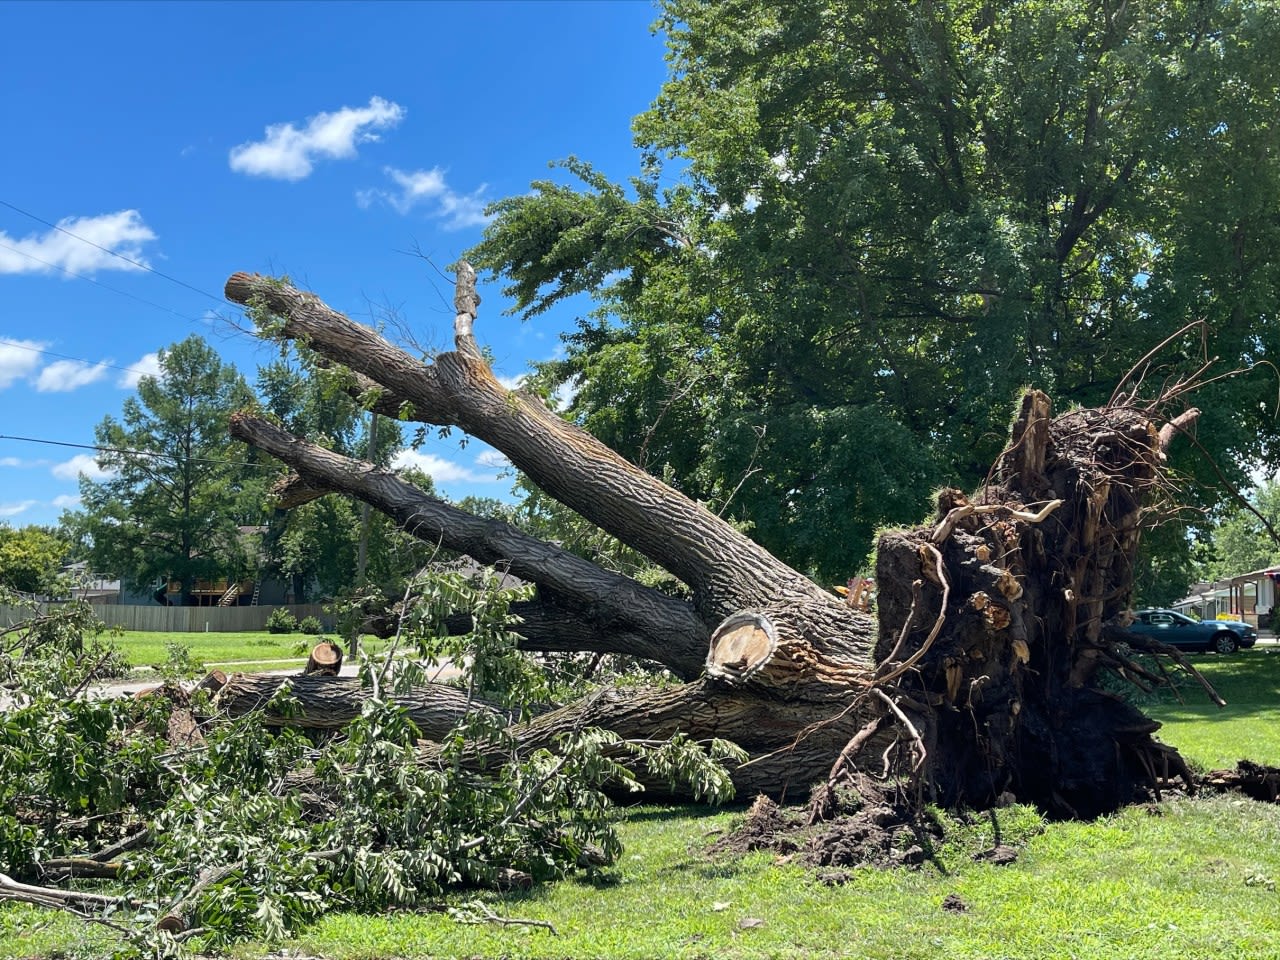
<point>177,487</point>
<point>317,546</point>
<point>860,228</point>
<point>1240,543</point>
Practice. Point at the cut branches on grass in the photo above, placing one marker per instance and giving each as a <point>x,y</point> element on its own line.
<point>253,827</point>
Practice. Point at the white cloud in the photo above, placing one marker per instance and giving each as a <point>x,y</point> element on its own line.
<point>565,393</point>
<point>13,509</point>
<point>416,187</point>
<point>493,460</point>
<point>63,376</point>
<point>440,469</point>
<point>513,383</point>
<point>287,153</point>
<point>68,501</point>
<point>148,366</point>
<point>17,359</point>
<point>428,188</point>
<point>22,464</point>
<point>121,233</point>
<point>81,463</point>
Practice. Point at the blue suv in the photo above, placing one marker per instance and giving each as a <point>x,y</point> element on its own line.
<point>1177,630</point>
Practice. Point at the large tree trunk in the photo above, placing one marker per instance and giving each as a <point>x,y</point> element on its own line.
<point>980,678</point>
<point>330,703</point>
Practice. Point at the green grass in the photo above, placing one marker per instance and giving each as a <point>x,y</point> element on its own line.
<point>1136,885</point>
<point>1187,878</point>
<point>1190,882</point>
<point>247,651</point>
<point>1248,726</point>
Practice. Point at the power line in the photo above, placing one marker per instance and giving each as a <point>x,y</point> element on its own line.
<point>124,451</point>
<point>5,341</point>
<point>119,256</point>
<point>99,283</point>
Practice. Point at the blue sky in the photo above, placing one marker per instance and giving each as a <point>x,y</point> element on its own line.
<point>322,140</point>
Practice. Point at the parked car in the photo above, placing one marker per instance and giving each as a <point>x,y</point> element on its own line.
<point>1177,630</point>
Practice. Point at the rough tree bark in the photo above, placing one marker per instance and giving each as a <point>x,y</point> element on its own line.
<point>980,679</point>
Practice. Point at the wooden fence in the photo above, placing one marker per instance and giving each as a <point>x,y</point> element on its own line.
<point>183,619</point>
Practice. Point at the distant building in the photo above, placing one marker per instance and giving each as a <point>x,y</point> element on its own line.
<point>91,587</point>
<point>1248,596</point>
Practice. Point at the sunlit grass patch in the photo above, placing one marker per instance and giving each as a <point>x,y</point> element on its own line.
<point>1137,885</point>
<point>145,649</point>
<point>1247,727</point>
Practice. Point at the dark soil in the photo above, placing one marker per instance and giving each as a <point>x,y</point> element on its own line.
<point>880,834</point>
<point>875,829</point>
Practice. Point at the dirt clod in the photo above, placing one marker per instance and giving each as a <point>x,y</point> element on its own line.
<point>1000,855</point>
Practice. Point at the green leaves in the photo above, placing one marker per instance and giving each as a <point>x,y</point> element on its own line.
<point>254,831</point>
<point>1240,543</point>
<point>31,559</point>
<point>175,487</point>
<point>909,212</point>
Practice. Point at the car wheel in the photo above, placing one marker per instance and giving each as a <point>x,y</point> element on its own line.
<point>1225,642</point>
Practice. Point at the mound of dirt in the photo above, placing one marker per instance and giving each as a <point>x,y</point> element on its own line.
<point>883,834</point>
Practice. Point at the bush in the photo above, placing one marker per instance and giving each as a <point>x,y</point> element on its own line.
<point>311,625</point>
<point>281,621</point>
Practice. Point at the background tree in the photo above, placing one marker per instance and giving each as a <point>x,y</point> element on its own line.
<point>1240,543</point>
<point>31,558</point>
<point>178,487</point>
<point>859,229</point>
<point>316,546</point>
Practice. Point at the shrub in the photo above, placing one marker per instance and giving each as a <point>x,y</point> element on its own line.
<point>281,621</point>
<point>311,625</point>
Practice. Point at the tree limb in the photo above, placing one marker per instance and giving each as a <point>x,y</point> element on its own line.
<point>676,635</point>
<point>726,570</point>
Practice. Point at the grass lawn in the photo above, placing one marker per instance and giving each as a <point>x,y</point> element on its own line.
<point>1134,886</point>
<point>1185,878</point>
<point>248,651</point>
<point>1248,726</point>
<point>1196,879</point>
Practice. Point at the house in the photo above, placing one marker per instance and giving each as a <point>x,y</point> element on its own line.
<point>1248,596</point>
<point>91,587</point>
<point>226,592</point>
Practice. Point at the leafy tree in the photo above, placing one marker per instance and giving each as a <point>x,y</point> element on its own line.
<point>860,228</point>
<point>316,545</point>
<point>1240,543</point>
<point>178,486</point>
<point>31,558</point>
<point>310,401</point>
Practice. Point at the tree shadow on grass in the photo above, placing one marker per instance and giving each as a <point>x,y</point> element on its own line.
<point>647,813</point>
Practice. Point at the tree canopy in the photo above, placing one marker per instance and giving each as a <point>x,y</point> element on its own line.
<point>177,487</point>
<point>1240,542</point>
<point>31,558</point>
<point>858,229</point>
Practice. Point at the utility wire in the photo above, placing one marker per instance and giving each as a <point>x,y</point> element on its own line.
<point>124,451</point>
<point>5,341</point>
<point>99,283</point>
<point>119,256</point>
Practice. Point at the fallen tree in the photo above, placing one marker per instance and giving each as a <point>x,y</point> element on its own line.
<point>984,679</point>
<point>981,680</point>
